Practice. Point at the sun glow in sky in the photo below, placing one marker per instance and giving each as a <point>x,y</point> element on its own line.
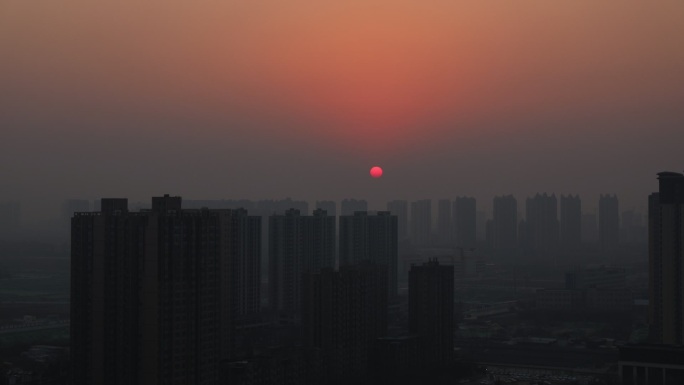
<point>415,85</point>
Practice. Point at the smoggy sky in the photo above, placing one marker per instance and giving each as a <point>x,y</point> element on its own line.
<point>268,99</point>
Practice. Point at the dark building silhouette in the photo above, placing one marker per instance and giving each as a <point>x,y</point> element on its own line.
<point>155,294</point>
<point>541,224</point>
<point>343,313</point>
<point>371,238</point>
<point>504,226</point>
<point>400,209</point>
<point>609,222</point>
<point>350,206</point>
<point>465,221</point>
<point>421,222</point>
<point>431,311</point>
<point>445,229</point>
<point>570,222</point>
<point>666,260</point>
<point>297,244</point>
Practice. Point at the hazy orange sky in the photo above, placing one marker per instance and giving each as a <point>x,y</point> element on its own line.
<point>261,99</point>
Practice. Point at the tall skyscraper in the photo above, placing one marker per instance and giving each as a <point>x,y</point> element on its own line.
<point>504,226</point>
<point>343,313</point>
<point>297,245</point>
<point>465,222</point>
<point>421,222</point>
<point>542,224</point>
<point>445,228</point>
<point>666,260</point>
<point>155,294</point>
<point>350,206</point>
<point>371,238</point>
<point>399,208</point>
<point>609,222</point>
<point>570,222</point>
<point>431,311</point>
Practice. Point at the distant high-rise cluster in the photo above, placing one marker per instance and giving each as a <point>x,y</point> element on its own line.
<point>193,289</point>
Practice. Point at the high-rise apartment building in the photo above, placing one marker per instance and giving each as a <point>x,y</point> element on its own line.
<point>155,294</point>
<point>399,208</point>
<point>570,222</point>
<point>445,229</point>
<point>465,222</point>
<point>343,313</point>
<point>431,311</point>
<point>350,206</point>
<point>609,222</point>
<point>371,239</point>
<point>504,225</point>
<point>297,245</point>
<point>542,224</point>
<point>421,222</point>
<point>666,260</point>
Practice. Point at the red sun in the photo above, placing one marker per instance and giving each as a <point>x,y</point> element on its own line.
<point>376,172</point>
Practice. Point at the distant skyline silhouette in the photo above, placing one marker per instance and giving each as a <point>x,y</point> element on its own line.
<point>269,99</point>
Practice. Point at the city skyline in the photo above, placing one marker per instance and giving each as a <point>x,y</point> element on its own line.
<point>341,192</point>
<point>301,99</point>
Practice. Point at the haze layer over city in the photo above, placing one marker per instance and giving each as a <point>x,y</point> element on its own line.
<point>298,99</point>
<point>320,192</point>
